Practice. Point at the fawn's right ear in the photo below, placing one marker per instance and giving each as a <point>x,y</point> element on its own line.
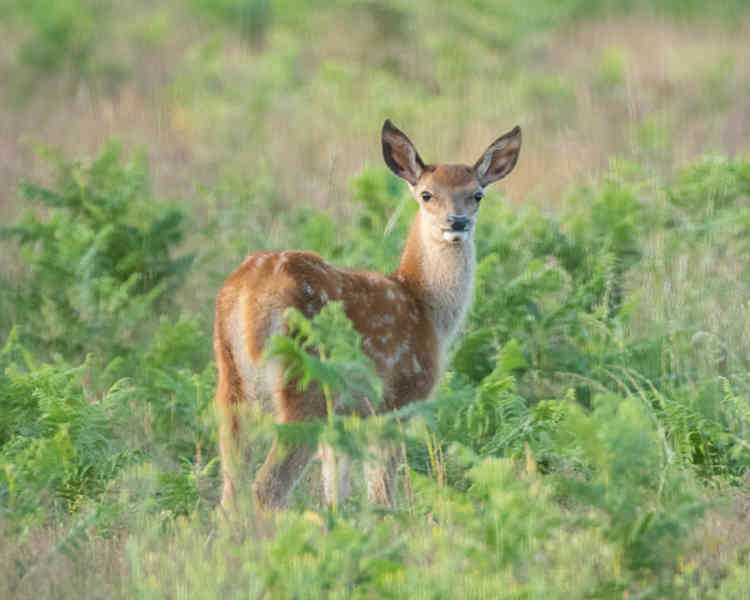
<point>400,154</point>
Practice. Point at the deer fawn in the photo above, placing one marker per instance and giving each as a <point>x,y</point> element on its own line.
<point>406,320</point>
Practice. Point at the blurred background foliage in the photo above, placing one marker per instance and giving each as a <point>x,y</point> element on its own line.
<point>590,435</point>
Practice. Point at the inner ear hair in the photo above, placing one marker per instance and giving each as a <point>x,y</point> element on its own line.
<point>400,154</point>
<point>499,158</point>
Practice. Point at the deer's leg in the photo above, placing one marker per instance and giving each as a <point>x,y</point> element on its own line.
<point>380,473</point>
<point>286,463</point>
<point>284,466</point>
<point>335,464</point>
<point>229,451</point>
<point>229,404</point>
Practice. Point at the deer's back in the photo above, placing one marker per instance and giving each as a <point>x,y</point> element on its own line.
<point>390,317</point>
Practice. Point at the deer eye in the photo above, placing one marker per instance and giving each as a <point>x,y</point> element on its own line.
<point>478,196</point>
<point>426,196</point>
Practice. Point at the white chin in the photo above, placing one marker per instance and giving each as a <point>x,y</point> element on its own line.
<point>455,236</point>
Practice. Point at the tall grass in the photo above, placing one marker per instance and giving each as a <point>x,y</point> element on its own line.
<point>570,449</point>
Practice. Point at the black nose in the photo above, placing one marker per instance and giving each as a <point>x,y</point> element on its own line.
<point>458,223</point>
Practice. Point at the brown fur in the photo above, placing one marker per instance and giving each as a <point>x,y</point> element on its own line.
<point>453,176</point>
<point>377,304</point>
<point>406,320</point>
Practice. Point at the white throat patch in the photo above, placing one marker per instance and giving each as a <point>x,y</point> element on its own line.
<point>455,236</point>
<point>448,281</point>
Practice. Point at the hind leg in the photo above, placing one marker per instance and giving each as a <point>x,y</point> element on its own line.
<point>286,462</point>
<point>229,403</point>
<point>235,450</point>
<point>229,451</point>
<point>284,466</point>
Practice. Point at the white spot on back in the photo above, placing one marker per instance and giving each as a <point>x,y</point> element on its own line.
<point>399,352</point>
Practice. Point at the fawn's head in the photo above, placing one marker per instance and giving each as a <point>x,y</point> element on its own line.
<point>448,194</point>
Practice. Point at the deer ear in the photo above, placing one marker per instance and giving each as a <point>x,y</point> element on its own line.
<point>400,154</point>
<point>500,158</point>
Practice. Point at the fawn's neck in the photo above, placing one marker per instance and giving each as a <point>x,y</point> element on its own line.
<point>441,275</point>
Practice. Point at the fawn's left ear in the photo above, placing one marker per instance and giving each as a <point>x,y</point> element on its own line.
<point>400,154</point>
<point>500,158</point>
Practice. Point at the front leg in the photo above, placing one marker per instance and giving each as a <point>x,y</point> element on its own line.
<point>336,474</point>
<point>381,469</point>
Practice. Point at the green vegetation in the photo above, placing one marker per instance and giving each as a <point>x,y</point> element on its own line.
<point>102,259</point>
<point>590,437</point>
<point>561,415</point>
